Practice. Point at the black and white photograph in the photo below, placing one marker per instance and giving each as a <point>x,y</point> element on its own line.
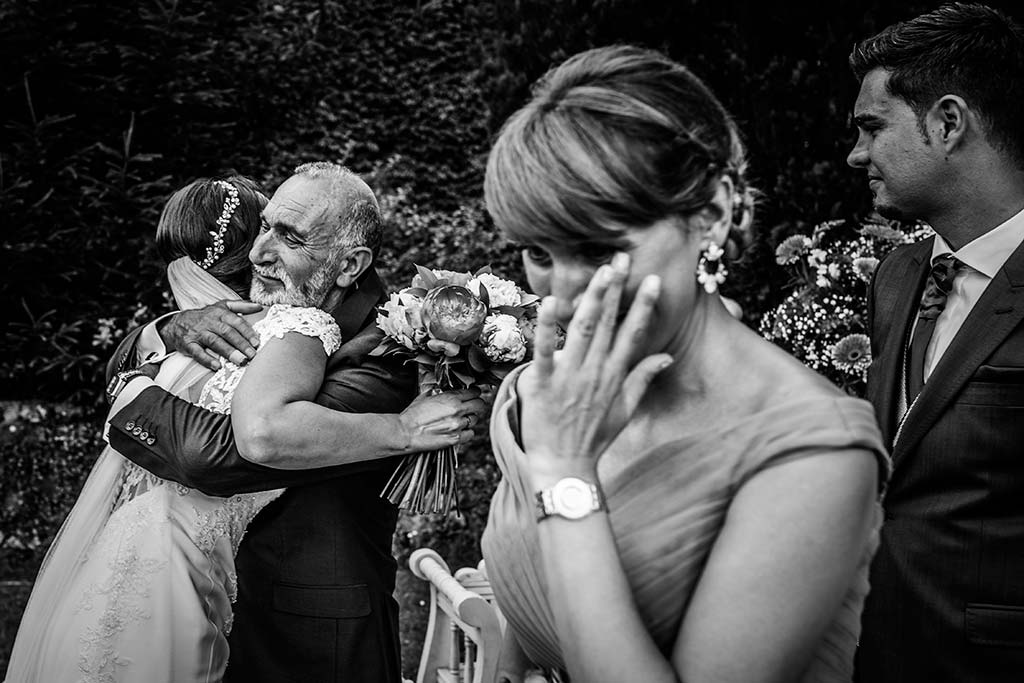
<point>512,341</point>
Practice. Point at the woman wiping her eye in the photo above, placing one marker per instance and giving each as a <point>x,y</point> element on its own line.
<point>681,500</point>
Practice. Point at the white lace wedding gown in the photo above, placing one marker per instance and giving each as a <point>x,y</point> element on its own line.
<point>150,600</point>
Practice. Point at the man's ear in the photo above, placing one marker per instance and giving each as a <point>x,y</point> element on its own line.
<point>948,119</point>
<point>353,264</point>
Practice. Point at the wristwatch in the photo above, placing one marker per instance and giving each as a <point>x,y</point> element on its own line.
<point>119,381</point>
<point>571,498</point>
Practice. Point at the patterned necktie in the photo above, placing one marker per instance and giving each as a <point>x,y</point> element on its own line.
<point>933,302</point>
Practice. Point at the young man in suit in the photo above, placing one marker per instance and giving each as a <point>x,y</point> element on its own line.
<point>941,138</point>
<point>315,570</point>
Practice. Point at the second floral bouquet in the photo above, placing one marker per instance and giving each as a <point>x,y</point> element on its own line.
<point>490,321</point>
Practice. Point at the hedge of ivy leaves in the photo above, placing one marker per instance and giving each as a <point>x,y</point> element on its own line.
<point>109,107</point>
<point>47,452</point>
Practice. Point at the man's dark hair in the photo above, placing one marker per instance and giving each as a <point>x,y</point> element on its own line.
<point>189,221</point>
<point>969,50</point>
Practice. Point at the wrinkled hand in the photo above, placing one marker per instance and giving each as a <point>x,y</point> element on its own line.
<point>575,405</point>
<point>216,331</point>
<point>440,420</point>
<point>445,347</point>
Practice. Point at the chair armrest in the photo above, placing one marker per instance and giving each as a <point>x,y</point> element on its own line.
<point>457,610</point>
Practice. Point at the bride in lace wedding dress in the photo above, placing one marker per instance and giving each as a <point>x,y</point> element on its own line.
<point>138,584</point>
<point>151,600</point>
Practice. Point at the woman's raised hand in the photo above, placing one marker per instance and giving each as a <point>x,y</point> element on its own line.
<point>574,405</point>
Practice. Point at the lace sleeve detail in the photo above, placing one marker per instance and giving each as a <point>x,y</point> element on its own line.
<point>312,322</point>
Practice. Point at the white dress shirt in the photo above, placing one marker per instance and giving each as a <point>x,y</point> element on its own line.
<point>983,257</point>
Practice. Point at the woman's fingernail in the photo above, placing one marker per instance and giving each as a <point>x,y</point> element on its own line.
<point>652,284</point>
<point>620,262</point>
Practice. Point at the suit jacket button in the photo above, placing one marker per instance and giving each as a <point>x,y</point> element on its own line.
<point>129,425</point>
<point>151,441</point>
<point>143,436</point>
<point>137,430</point>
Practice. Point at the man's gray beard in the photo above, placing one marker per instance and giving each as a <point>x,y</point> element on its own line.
<point>312,293</point>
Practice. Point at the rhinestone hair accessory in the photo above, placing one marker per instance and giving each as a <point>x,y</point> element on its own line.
<point>230,204</point>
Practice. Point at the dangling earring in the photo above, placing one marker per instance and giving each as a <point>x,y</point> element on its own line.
<point>711,271</point>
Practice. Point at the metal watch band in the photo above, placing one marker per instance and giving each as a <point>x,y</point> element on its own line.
<point>120,381</point>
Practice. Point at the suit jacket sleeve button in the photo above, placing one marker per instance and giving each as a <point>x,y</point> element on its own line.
<point>144,435</point>
<point>137,430</point>
<point>151,441</point>
<point>129,425</point>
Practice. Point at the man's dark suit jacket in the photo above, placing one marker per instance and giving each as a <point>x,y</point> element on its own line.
<point>315,570</point>
<point>947,585</point>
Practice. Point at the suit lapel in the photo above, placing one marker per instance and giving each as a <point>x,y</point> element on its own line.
<point>894,307</point>
<point>999,310</point>
<point>353,313</point>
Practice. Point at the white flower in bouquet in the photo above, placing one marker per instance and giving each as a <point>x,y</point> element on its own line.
<point>502,339</point>
<point>400,319</point>
<point>817,257</point>
<point>456,308</point>
<point>852,353</point>
<point>885,233</point>
<point>864,267</point>
<point>823,321</point>
<point>499,291</point>
<point>451,277</point>
<point>791,249</point>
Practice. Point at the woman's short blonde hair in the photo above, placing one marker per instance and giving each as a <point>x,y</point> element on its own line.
<point>614,138</point>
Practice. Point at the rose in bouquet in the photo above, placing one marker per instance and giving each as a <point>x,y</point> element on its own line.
<point>463,330</point>
<point>823,321</point>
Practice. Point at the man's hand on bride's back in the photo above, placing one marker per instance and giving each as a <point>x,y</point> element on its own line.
<point>206,335</point>
<point>446,419</point>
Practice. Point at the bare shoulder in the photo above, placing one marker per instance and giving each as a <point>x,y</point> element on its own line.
<point>777,377</point>
<point>786,381</point>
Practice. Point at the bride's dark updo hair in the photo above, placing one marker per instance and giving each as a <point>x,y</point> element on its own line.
<point>188,225</point>
<point>614,138</point>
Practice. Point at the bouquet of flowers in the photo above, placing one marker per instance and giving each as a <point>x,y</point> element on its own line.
<point>490,320</point>
<point>823,321</point>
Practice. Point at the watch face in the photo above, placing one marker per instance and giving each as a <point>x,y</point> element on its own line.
<point>573,498</point>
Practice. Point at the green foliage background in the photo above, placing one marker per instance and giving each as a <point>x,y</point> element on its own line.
<point>107,107</point>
